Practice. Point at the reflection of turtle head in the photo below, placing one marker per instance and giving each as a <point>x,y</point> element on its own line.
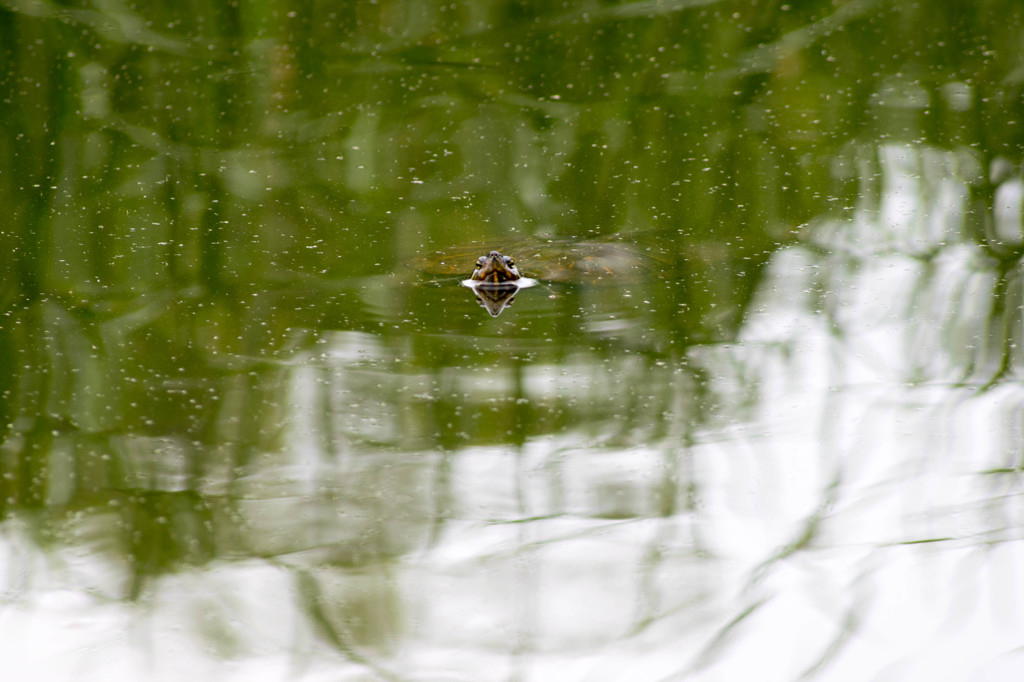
<point>495,297</point>
<point>495,282</point>
<point>495,268</point>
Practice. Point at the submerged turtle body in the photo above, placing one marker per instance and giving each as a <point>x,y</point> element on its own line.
<point>583,262</point>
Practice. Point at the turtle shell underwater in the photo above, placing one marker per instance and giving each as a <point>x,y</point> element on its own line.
<point>594,262</point>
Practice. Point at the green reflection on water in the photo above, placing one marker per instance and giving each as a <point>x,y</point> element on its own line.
<point>211,212</point>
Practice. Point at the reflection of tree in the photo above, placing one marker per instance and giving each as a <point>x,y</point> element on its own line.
<point>193,203</point>
<point>595,125</point>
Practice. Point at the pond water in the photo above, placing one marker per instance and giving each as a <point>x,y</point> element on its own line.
<point>759,414</point>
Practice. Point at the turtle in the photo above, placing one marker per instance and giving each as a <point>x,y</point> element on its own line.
<point>495,282</point>
<point>495,268</point>
<point>593,262</point>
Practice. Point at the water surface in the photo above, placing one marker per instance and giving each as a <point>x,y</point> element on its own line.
<point>759,417</point>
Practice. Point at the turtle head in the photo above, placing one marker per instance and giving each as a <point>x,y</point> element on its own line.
<point>495,268</point>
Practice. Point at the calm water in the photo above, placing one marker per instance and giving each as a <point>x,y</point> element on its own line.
<point>761,417</point>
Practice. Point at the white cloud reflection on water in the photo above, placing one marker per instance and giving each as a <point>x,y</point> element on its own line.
<point>850,514</point>
<point>852,524</point>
